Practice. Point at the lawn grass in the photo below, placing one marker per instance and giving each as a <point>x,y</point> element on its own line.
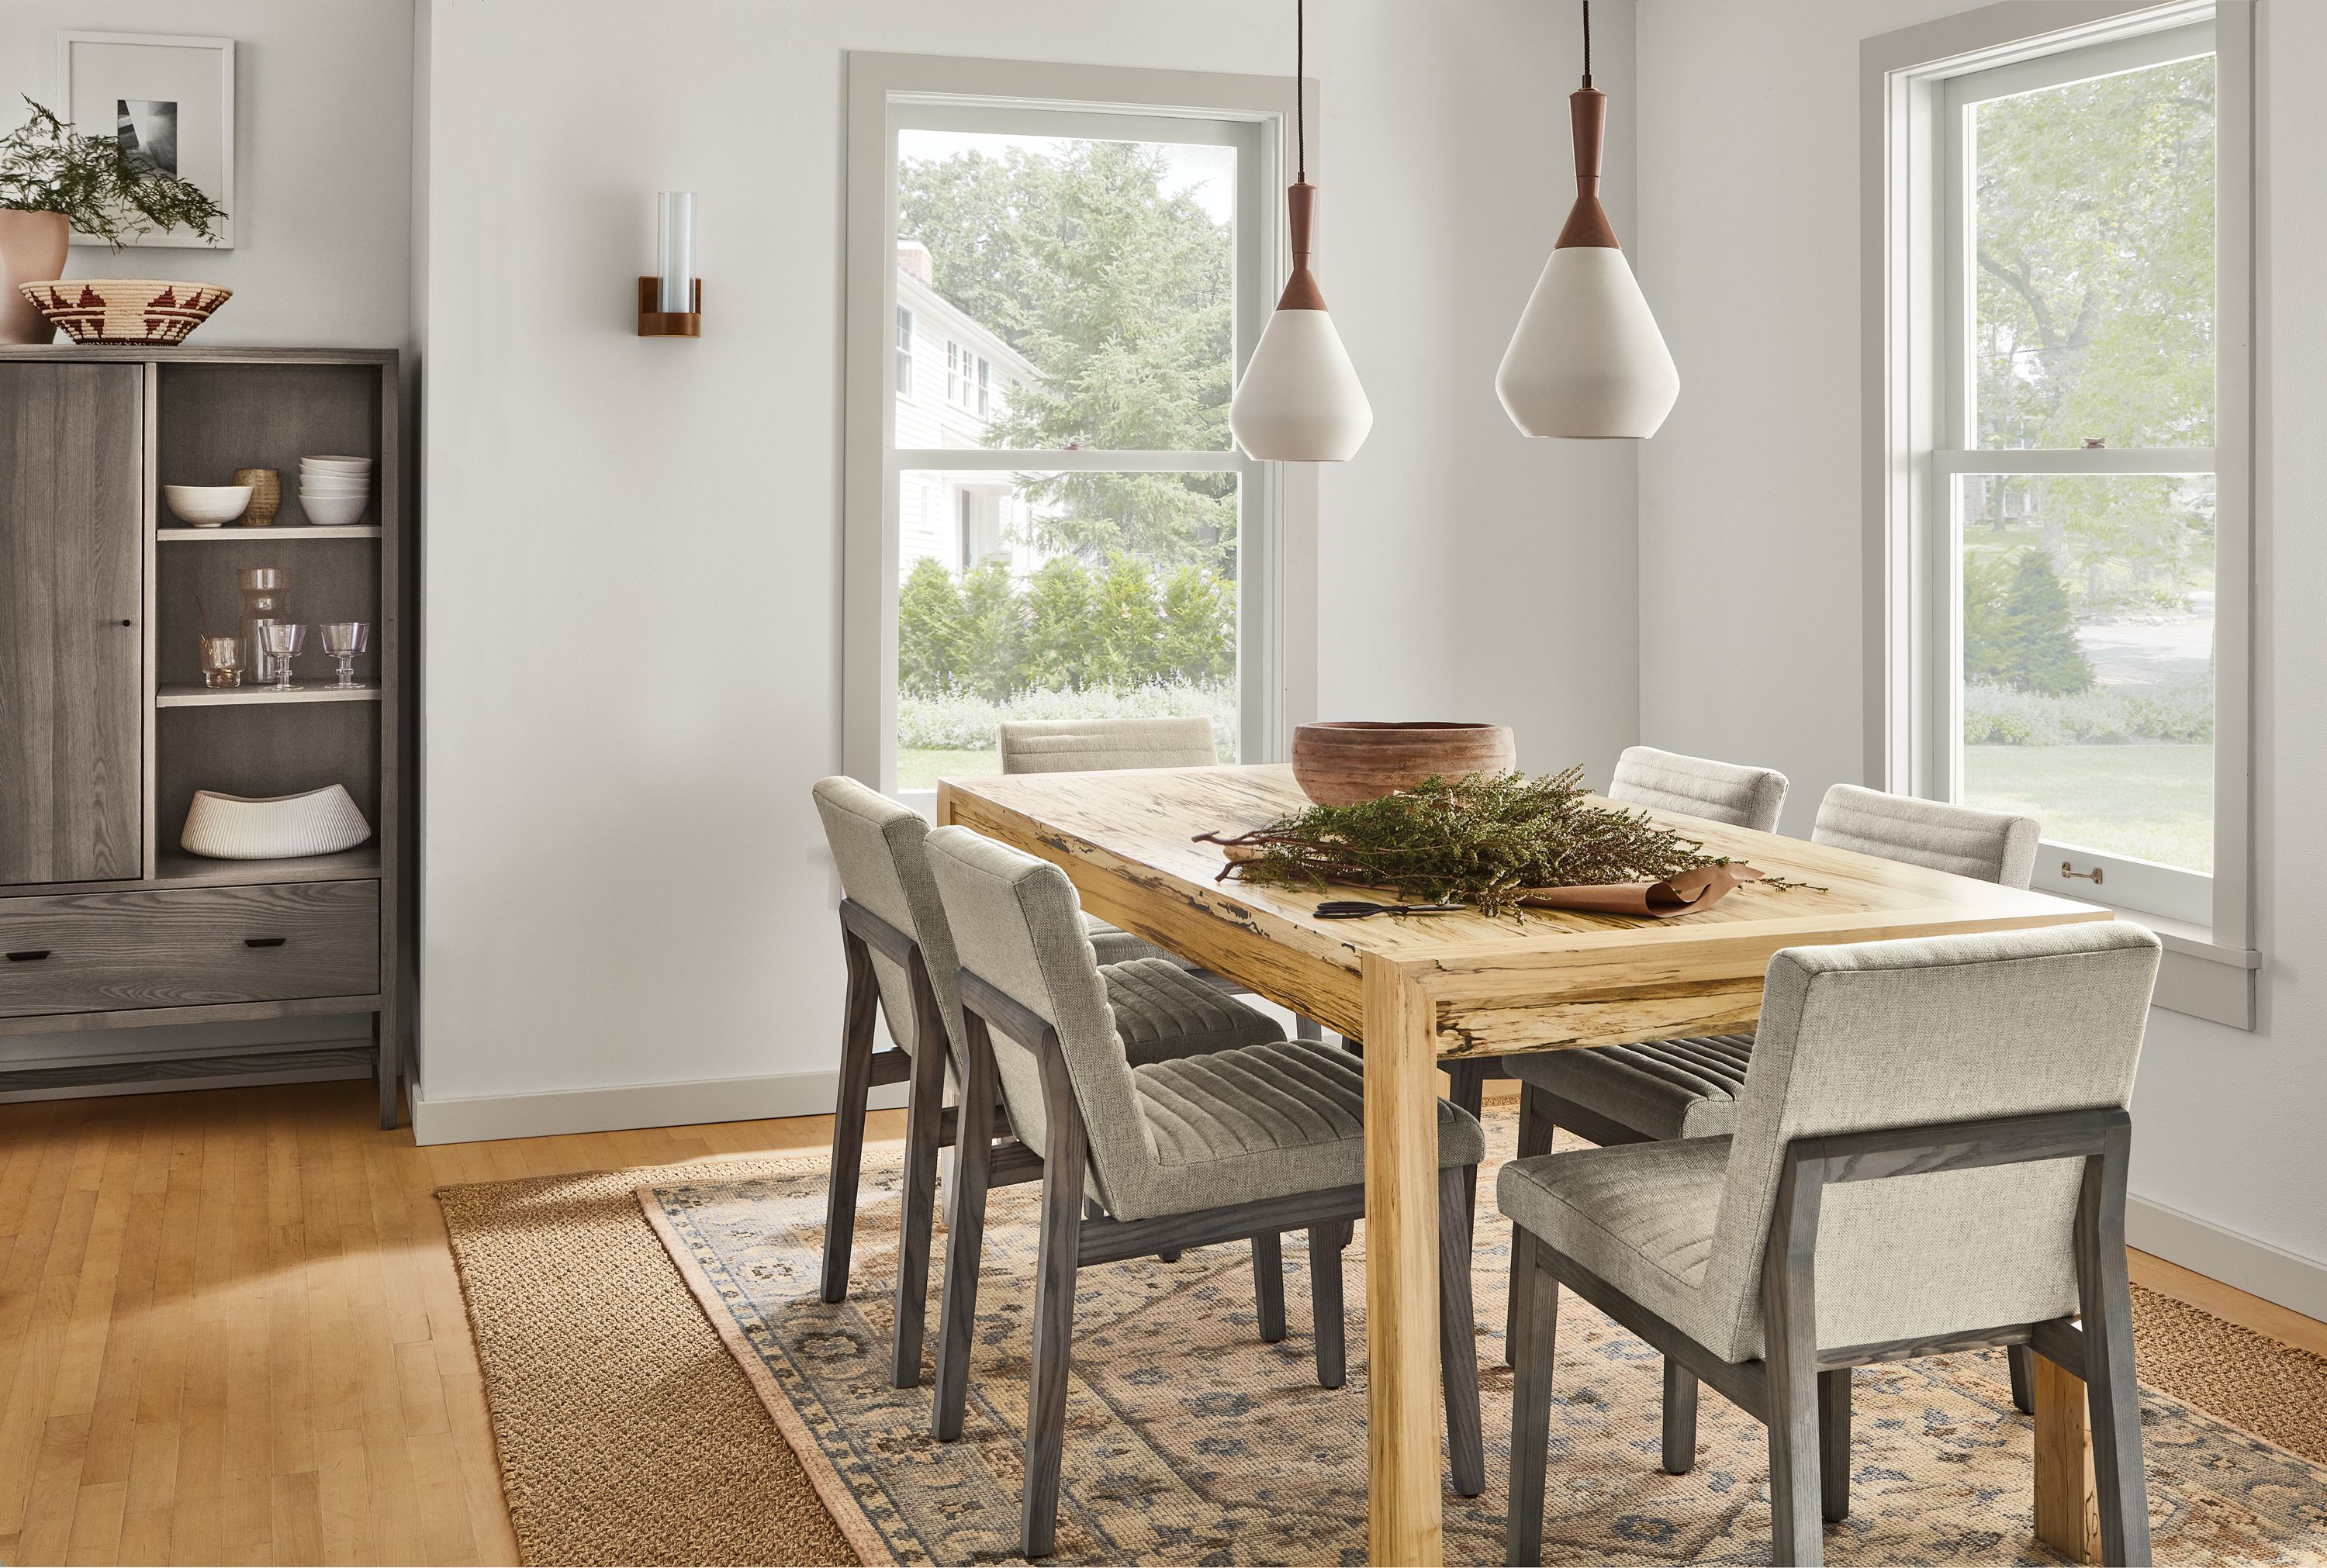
<point>920,767</point>
<point>2149,802</point>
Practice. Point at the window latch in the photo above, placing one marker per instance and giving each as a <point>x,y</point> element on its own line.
<point>2068,868</point>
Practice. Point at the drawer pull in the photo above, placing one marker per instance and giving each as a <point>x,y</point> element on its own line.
<point>263,941</point>
<point>29,956</point>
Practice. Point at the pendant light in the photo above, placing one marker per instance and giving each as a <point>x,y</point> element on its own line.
<point>1299,400</point>
<point>1587,359</point>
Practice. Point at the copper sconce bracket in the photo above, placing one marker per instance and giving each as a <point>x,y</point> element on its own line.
<point>655,323</point>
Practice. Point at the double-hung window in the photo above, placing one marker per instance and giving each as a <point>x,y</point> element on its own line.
<point>2061,476</point>
<point>905,352</point>
<point>1105,245</point>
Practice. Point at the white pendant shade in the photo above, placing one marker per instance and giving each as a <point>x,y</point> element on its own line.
<point>1587,359</point>
<point>1299,400</point>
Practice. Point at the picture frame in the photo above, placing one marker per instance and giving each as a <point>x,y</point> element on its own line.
<point>170,97</point>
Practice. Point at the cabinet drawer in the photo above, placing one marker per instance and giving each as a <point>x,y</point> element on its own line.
<point>188,947</point>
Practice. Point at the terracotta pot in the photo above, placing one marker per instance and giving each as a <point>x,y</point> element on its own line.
<point>32,250</point>
<point>1341,761</point>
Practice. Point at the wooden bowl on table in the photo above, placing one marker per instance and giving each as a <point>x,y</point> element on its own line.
<point>1341,761</point>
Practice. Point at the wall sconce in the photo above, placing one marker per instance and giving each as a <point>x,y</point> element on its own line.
<point>670,304</point>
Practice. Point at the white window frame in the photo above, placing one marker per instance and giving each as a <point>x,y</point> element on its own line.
<point>904,366</point>
<point>1917,437</point>
<point>1277,502</point>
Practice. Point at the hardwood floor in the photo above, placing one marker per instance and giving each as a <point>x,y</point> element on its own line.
<point>231,1331</point>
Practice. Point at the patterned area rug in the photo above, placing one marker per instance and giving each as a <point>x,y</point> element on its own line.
<point>1191,1441</point>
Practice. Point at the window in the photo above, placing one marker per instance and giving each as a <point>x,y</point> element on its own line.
<point>1105,549</point>
<point>2061,475</point>
<point>905,352</point>
<point>2078,331</point>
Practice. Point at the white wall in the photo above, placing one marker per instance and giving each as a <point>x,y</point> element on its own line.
<point>321,258</point>
<point>1751,495</point>
<point>632,565</point>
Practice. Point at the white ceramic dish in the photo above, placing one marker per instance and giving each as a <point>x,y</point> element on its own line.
<point>332,487</point>
<point>207,506</point>
<point>336,464</point>
<point>277,828</point>
<point>333,511</point>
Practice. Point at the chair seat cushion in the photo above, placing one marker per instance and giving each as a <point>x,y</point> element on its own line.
<point>1162,1012</point>
<point>1640,1216</point>
<point>1114,945</point>
<point>1265,1122</point>
<point>1660,1088</point>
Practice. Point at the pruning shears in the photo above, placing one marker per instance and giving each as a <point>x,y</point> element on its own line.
<point>1359,909</point>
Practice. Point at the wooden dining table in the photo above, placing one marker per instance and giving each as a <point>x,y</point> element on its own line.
<point>1423,991</point>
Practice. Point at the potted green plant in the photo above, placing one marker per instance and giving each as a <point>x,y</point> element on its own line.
<point>53,181</point>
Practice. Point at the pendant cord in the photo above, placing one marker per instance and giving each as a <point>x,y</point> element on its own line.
<point>1300,95</point>
<point>1587,42</point>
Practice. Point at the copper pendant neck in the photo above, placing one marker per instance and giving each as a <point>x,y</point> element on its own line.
<point>1587,223</point>
<point>1301,291</point>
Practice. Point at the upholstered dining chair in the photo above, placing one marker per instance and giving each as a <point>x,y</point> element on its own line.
<point>900,956</point>
<point>1102,745</point>
<point>1687,1088</point>
<point>1241,1143</point>
<point>1930,1156</point>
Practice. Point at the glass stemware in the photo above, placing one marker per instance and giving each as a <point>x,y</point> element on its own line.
<point>222,662</point>
<point>343,639</point>
<point>284,640</point>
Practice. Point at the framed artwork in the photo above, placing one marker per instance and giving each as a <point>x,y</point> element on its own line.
<point>169,99</point>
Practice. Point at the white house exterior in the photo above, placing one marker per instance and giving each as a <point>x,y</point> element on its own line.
<point>954,377</point>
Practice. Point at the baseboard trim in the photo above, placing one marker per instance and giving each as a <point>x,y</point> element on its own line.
<point>2257,1268</point>
<point>475,1118</point>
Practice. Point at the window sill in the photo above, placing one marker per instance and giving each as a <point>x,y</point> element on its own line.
<point>2201,976</point>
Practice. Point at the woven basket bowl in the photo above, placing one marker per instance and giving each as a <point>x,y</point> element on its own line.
<point>125,310</point>
<point>1341,762</point>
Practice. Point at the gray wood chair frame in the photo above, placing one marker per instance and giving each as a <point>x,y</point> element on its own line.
<point>930,1125</point>
<point>1800,1390</point>
<point>1072,1238</point>
<point>1541,1115</point>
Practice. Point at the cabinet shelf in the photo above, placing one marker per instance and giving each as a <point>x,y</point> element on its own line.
<point>176,866</point>
<point>202,696</point>
<point>267,534</point>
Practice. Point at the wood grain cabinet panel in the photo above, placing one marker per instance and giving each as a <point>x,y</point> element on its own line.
<point>188,947</point>
<point>72,555</point>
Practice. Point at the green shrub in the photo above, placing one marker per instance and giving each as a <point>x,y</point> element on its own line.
<point>1062,630</point>
<point>2181,712</point>
<point>964,721</point>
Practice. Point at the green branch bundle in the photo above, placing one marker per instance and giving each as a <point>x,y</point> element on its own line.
<point>48,166</point>
<point>1484,840</point>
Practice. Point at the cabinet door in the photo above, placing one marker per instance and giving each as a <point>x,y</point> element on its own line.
<point>71,555</point>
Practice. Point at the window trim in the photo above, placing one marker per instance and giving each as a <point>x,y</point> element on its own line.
<point>1905,76</point>
<point>1276,556</point>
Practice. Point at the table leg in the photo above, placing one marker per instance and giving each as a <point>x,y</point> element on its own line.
<point>1404,1522</point>
<point>2068,1517</point>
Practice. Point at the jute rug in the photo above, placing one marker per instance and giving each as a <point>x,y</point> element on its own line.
<point>628,1435</point>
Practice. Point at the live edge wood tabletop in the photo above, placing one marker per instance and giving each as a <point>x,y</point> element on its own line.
<point>1420,989</point>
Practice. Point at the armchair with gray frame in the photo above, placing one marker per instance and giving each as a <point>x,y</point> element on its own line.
<point>1246,1142</point>
<point>1930,1157</point>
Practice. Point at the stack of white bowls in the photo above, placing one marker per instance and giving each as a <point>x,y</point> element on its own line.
<point>334,491</point>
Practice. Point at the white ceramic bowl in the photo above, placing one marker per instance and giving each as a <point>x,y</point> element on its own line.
<point>333,511</point>
<point>206,506</point>
<point>336,487</point>
<point>237,827</point>
<point>336,464</point>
